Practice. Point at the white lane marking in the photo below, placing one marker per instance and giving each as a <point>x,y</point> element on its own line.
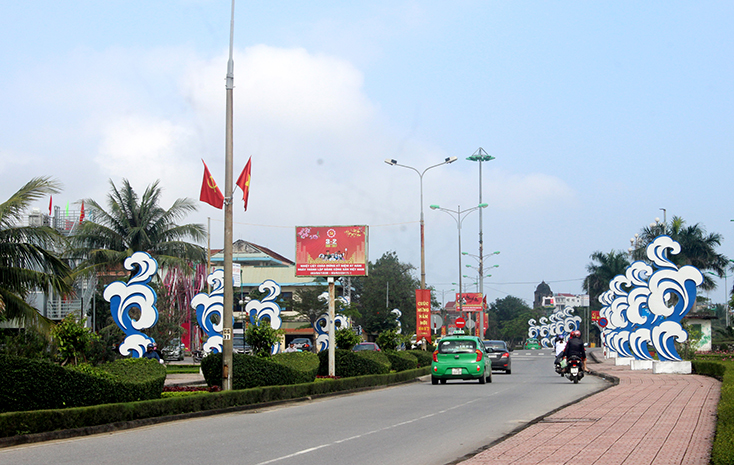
<point>358,436</point>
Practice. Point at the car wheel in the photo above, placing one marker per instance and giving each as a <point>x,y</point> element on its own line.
<point>434,380</point>
<point>483,378</point>
<point>443,381</point>
<point>508,371</point>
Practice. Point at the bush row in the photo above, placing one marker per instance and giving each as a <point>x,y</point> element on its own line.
<point>722,452</point>
<point>19,423</point>
<point>251,371</point>
<point>35,384</point>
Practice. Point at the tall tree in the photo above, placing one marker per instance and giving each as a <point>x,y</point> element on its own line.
<point>389,285</point>
<point>601,271</point>
<point>133,223</point>
<point>698,248</point>
<point>27,258</point>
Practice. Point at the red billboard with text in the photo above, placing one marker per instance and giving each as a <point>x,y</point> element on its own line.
<point>331,250</point>
<point>423,314</point>
<point>470,301</point>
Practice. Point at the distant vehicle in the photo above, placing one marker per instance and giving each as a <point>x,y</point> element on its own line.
<point>303,344</point>
<point>366,346</point>
<point>461,357</point>
<point>174,350</point>
<point>500,356</point>
<point>532,343</point>
<point>239,346</point>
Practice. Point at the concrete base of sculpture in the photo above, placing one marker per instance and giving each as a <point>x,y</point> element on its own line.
<point>676,368</point>
<point>619,361</point>
<point>641,364</point>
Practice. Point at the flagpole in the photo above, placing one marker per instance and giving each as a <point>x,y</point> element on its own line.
<point>228,289</point>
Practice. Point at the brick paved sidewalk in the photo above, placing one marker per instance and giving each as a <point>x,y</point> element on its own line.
<point>647,419</point>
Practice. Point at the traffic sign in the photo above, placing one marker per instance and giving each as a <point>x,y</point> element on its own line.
<point>460,322</point>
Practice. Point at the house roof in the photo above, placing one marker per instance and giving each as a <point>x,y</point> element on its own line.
<point>244,251</point>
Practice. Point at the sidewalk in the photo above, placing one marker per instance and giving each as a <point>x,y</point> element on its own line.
<point>647,419</point>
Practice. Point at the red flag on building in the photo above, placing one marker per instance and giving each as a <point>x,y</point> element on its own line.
<point>81,215</point>
<point>50,204</point>
<point>210,193</point>
<point>243,182</point>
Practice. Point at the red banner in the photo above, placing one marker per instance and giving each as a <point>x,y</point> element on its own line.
<point>331,250</point>
<point>472,302</point>
<point>595,315</point>
<point>423,314</point>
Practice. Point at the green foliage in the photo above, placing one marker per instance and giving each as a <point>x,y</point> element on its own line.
<point>392,279</point>
<point>72,339</point>
<point>607,266</point>
<point>29,384</point>
<point>27,343</point>
<point>424,357</point>
<point>508,319</point>
<point>401,360</point>
<point>722,452</point>
<point>252,371</point>
<point>389,340</point>
<point>307,304</point>
<point>261,337</point>
<point>348,363</point>
<point>27,258</point>
<point>346,338</point>
<point>18,423</point>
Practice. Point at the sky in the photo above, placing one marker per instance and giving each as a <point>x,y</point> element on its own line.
<point>601,116</point>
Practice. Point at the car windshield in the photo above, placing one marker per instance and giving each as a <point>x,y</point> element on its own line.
<point>363,347</point>
<point>495,345</point>
<point>457,346</point>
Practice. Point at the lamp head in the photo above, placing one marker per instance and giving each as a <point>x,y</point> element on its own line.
<point>391,161</point>
<point>483,205</point>
<point>450,160</point>
<point>434,207</point>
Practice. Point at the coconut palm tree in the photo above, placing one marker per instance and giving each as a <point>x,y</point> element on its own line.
<point>133,223</point>
<point>607,266</point>
<point>27,258</point>
<point>698,248</point>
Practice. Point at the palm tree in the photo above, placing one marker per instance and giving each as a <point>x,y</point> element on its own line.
<point>607,266</point>
<point>27,260</point>
<point>697,248</point>
<point>133,224</point>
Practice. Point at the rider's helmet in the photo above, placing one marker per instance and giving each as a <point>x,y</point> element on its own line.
<point>576,333</point>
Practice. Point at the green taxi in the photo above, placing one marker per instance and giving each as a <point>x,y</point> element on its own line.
<point>461,357</point>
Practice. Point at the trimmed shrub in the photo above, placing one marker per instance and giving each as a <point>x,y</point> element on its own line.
<point>401,360</point>
<point>425,357</point>
<point>18,423</point>
<point>31,384</point>
<point>349,364</point>
<point>722,452</point>
<point>252,371</point>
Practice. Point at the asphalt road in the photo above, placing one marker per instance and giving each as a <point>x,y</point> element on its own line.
<point>413,423</point>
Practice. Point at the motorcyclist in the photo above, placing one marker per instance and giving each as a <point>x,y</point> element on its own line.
<point>575,346</point>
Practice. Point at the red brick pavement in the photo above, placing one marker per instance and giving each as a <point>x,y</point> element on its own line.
<point>647,419</point>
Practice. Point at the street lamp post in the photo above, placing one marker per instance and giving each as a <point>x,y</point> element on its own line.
<point>394,162</point>
<point>458,215</point>
<point>480,155</point>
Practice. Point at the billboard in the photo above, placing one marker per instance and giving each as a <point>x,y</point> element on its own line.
<point>331,250</point>
<point>472,302</point>
<point>423,314</point>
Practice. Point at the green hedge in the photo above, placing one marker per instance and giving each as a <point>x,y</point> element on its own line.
<point>348,364</point>
<point>722,452</point>
<point>251,371</point>
<point>425,357</point>
<point>19,423</point>
<point>401,360</point>
<point>34,384</point>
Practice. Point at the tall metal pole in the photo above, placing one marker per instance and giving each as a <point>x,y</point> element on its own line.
<point>393,162</point>
<point>480,155</point>
<point>332,332</point>
<point>228,282</point>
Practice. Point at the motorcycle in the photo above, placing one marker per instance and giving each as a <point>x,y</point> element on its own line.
<point>560,366</point>
<point>197,355</point>
<point>574,369</point>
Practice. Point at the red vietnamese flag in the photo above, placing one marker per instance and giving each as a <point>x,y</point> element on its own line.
<point>50,204</point>
<point>81,216</point>
<point>210,193</point>
<point>243,182</point>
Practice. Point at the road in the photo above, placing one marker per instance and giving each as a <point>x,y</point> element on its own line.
<point>413,423</point>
